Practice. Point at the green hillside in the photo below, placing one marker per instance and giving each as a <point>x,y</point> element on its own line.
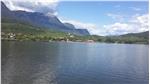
<point>142,35</point>
<point>28,32</point>
<point>19,31</point>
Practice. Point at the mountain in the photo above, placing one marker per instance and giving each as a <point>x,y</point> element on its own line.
<point>5,12</point>
<point>83,31</point>
<point>141,34</point>
<point>38,19</point>
<point>69,25</point>
<point>78,31</point>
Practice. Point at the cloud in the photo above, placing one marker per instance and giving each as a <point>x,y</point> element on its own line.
<point>92,28</point>
<point>138,23</point>
<point>43,6</point>
<point>117,17</point>
<point>136,8</point>
<point>117,28</point>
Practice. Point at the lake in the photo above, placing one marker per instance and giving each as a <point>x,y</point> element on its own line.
<point>74,63</point>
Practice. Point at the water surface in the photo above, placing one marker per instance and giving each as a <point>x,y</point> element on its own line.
<point>74,63</point>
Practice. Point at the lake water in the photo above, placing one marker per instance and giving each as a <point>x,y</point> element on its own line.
<point>74,63</point>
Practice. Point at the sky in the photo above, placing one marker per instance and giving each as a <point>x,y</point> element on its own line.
<point>98,17</point>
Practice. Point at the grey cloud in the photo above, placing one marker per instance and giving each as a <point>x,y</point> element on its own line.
<point>36,6</point>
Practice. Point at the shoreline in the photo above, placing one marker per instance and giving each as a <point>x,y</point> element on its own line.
<point>70,42</point>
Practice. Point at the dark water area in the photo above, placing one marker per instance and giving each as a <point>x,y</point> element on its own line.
<point>74,63</point>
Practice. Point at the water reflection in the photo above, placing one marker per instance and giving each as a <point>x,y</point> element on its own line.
<point>73,63</point>
<point>28,63</point>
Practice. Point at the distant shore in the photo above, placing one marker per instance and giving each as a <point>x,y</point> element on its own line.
<point>73,38</point>
<point>67,41</point>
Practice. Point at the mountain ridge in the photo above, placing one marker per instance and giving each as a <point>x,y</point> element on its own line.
<point>144,34</point>
<point>39,20</point>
